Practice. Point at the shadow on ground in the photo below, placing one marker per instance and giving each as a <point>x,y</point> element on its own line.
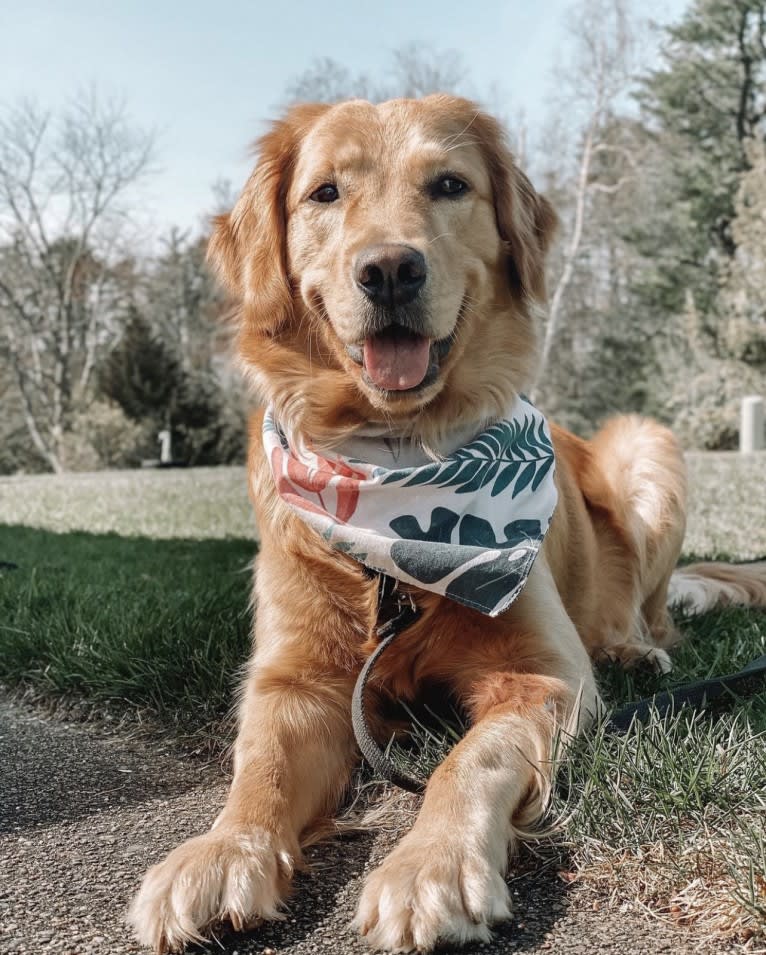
<point>58,773</point>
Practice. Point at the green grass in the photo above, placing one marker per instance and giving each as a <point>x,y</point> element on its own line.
<point>156,624</point>
<point>714,644</point>
<point>161,503</point>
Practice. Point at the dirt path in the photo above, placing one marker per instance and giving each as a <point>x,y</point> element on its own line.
<point>83,813</point>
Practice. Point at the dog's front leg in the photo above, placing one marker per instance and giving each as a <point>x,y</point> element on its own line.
<point>445,880</point>
<point>292,760</point>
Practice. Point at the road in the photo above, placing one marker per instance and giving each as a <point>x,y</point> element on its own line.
<point>84,811</point>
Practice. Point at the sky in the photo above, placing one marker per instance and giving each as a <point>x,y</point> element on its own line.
<point>207,76</point>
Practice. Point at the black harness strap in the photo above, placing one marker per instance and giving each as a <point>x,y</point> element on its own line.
<point>397,611</point>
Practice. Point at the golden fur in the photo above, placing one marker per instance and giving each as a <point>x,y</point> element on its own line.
<point>599,587</point>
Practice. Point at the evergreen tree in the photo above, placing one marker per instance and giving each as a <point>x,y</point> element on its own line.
<point>702,106</point>
<point>141,374</point>
<point>744,289</point>
<point>146,377</point>
<point>703,109</point>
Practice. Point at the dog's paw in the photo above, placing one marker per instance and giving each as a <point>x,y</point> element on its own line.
<point>659,660</point>
<point>428,892</point>
<point>238,877</point>
<point>629,655</point>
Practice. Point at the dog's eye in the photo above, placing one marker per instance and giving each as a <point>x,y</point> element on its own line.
<point>326,193</point>
<point>449,186</point>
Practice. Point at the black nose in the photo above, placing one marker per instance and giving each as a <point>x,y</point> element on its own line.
<point>390,274</point>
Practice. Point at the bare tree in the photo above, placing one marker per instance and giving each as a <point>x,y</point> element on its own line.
<point>414,71</point>
<point>223,196</point>
<point>418,72</point>
<point>183,298</point>
<point>327,81</point>
<point>65,182</point>
<point>597,77</point>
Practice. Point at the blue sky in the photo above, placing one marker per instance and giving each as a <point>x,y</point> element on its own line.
<point>207,75</point>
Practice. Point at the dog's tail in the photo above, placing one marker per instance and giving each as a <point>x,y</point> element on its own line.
<point>700,587</point>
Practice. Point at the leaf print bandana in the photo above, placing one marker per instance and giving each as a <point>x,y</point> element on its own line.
<point>468,526</point>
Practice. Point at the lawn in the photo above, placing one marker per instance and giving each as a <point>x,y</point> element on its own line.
<point>132,589</point>
<point>173,502</point>
<point>160,625</point>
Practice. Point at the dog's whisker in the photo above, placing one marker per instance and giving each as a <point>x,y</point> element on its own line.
<point>461,144</point>
<point>441,235</point>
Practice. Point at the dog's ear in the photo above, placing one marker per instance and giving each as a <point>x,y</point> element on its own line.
<point>533,224</point>
<point>526,220</point>
<point>247,248</point>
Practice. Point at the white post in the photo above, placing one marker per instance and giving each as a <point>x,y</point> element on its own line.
<point>166,456</point>
<point>751,432</point>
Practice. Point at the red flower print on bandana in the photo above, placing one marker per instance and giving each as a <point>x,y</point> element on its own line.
<point>336,475</point>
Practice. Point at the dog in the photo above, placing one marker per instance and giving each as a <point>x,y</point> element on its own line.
<point>389,267</point>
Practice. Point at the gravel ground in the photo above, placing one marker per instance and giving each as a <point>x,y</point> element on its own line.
<point>84,812</point>
<point>727,503</point>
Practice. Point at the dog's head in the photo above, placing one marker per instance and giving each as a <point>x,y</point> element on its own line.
<point>386,258</point>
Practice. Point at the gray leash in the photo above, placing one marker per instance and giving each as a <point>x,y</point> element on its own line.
<point>396,612</point>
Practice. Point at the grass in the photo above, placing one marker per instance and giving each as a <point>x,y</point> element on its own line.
<point>669,818</point>
<point>161,625</point>
<point>103,502</point>
<point>727,505</point>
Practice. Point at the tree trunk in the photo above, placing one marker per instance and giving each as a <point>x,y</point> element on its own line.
<point>570,256</point>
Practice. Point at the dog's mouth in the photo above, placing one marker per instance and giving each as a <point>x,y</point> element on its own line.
<point>398,359</point>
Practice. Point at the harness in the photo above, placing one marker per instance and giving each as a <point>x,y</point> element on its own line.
<point>397,612</point>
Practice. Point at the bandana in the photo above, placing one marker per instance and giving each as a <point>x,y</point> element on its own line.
<point>467,526</point>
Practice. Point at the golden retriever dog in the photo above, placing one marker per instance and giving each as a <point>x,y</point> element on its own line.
<point>389,265</point>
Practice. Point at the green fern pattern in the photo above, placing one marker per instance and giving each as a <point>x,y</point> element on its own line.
<point>510,454</point>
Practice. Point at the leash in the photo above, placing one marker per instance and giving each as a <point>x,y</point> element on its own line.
<point>397,611</point>
<point>697,695</point>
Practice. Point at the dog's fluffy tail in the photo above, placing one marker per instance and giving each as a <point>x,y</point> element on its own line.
<point>701,587</point>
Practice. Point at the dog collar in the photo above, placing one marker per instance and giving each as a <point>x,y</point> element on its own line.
<point>468,526</point>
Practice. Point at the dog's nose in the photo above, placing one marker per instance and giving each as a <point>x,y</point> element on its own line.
<point>390,274</point>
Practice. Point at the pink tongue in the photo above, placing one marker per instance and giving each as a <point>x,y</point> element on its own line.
<point>396,363</point>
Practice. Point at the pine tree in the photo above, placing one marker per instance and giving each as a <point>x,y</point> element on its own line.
<point>141,374</point>
<point>702,106</point>
<point>145,376</point>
